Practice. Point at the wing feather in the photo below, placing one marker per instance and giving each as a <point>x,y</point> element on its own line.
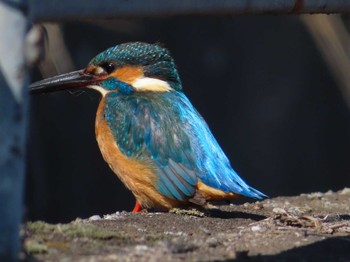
<point>167,130</point>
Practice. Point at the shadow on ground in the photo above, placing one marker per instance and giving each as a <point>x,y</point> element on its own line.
<point>331,249</point>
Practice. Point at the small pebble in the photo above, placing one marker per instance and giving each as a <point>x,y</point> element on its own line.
<point>278,210</point>
<point>345,191</point>
<point>316,195</point>
<point>299,211</point>
<point>94,218</point>
<point>256,228</point>
<point>205,230</point>
<point>108,217</point>
<point>212,242</point>
<point>258,206</point>
<point>297,244</point>
<point>141,248</point>
<point>329,193</point>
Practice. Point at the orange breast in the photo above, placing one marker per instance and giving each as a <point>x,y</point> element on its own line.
<point>140,177</point>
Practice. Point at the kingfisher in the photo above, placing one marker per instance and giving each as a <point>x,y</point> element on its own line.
<point>148,131</point>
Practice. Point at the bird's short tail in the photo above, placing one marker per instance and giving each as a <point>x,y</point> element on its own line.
<point>254,193</point>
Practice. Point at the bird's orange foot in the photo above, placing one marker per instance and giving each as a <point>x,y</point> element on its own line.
<point>137,207</point>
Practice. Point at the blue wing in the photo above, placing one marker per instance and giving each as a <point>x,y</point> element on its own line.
<point>167,130</point>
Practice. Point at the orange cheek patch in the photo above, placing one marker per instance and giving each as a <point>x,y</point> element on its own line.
<point>127,74</point>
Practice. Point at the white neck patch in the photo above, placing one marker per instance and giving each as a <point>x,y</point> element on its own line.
<point>150,84</point>
<point>100,89</point>
<point>140,84</point>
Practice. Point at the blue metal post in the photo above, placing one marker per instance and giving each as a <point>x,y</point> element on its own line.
<point>13,119</point>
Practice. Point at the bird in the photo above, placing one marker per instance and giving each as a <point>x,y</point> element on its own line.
<point>148,131</point>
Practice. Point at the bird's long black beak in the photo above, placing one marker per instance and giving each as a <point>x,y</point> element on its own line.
<point>76,79</point>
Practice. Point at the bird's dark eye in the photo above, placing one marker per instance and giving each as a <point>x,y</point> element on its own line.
<point>108,67</point>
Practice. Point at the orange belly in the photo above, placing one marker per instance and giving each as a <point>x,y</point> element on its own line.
<point>140,177</point>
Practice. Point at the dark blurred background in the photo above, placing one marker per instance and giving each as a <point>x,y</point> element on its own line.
<point>260,82</point>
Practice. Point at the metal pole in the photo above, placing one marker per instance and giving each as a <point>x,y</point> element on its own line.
<point>13,120</point>
<point>58,10</point>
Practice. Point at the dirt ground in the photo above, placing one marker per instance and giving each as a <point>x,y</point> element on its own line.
<point>309,227</point>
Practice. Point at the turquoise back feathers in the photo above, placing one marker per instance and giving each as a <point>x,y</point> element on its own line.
<point>164,128</point>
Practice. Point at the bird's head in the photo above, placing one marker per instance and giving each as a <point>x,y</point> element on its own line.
<point>125,68</point>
